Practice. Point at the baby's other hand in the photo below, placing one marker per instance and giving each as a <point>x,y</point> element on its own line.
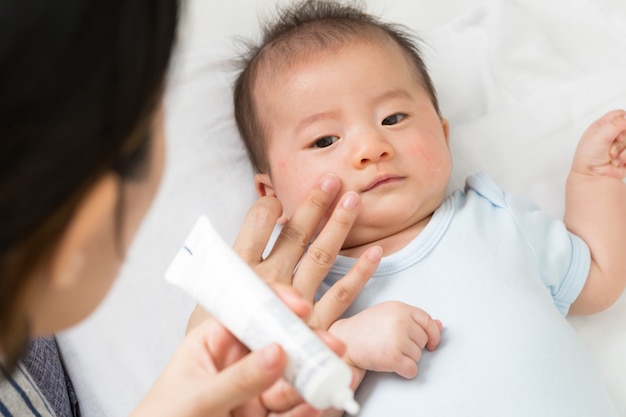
<point>388,337</point>
<point>601,148</point>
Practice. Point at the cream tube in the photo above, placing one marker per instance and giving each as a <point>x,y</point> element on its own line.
<point>221,282</point>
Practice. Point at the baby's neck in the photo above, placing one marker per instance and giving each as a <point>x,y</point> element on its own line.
<point>390,244</point>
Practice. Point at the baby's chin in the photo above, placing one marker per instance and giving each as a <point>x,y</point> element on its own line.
<point>355,245</point>
<point>391,241</point>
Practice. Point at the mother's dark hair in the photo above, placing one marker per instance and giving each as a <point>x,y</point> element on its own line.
<point>79,82</point>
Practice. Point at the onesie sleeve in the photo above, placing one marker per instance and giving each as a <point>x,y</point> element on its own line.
<point>564,259</point>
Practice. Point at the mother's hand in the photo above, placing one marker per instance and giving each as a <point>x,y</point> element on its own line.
<point>293,241</point>
<point>279,269</point>
<point>212,374</point>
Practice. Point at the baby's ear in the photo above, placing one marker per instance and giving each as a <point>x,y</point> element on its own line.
<point>264,188</point>
<point>446,129</point>
<point>263,185</point>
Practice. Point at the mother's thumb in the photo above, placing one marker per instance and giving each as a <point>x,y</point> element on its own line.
<point>245,379</point>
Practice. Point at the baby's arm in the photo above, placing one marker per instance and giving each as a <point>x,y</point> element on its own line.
<point>595,209</point>
<point>388,337</point>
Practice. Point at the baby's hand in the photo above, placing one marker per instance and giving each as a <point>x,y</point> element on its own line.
<point>388,337</point>
<point>601,148</point>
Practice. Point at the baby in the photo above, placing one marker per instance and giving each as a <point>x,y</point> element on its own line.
<point>333,89</point>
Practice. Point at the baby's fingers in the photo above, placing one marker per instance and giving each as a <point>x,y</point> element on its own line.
<point>616,153</point>
<point>432,329</point>
<point>601,148</point>
<point>407,366</point>
<point>608,126</point>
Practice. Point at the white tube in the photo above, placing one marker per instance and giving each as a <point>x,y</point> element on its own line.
<point>221,282</point>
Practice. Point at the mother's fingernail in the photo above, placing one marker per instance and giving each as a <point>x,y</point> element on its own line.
<point>350,200</point>
<point>329,183</point>
<point>375,253</point>
<point>269,356</point>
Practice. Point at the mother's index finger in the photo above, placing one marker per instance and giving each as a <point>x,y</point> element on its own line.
<point>322,252</point>
<point>296,234</point>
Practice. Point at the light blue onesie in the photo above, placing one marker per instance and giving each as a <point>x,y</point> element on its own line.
<point>501,275</point>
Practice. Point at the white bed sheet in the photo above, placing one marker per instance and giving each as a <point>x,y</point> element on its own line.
<point>519,82</point>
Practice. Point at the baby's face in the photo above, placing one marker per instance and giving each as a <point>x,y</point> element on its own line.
<point>362,114</point>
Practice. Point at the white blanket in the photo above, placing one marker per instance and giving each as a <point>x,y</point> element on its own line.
<point>519,81</point>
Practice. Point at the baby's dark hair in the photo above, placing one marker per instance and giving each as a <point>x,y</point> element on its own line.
<point>303,29</point>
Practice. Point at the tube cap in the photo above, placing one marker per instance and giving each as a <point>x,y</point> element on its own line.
<point>344,400</point>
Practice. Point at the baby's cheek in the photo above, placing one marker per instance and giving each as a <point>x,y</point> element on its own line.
<point>429,158</point>
<point>420,154</point>
<point>290,188</point>
<point>282,165</point>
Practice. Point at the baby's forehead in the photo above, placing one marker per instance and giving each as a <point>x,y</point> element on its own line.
<point>297,87</point>
<point>294,52</point>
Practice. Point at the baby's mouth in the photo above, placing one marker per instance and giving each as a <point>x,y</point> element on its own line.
<point>382,180</point>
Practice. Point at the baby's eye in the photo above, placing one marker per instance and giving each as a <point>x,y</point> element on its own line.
<point>393,119</point>
<point>325,141</point>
